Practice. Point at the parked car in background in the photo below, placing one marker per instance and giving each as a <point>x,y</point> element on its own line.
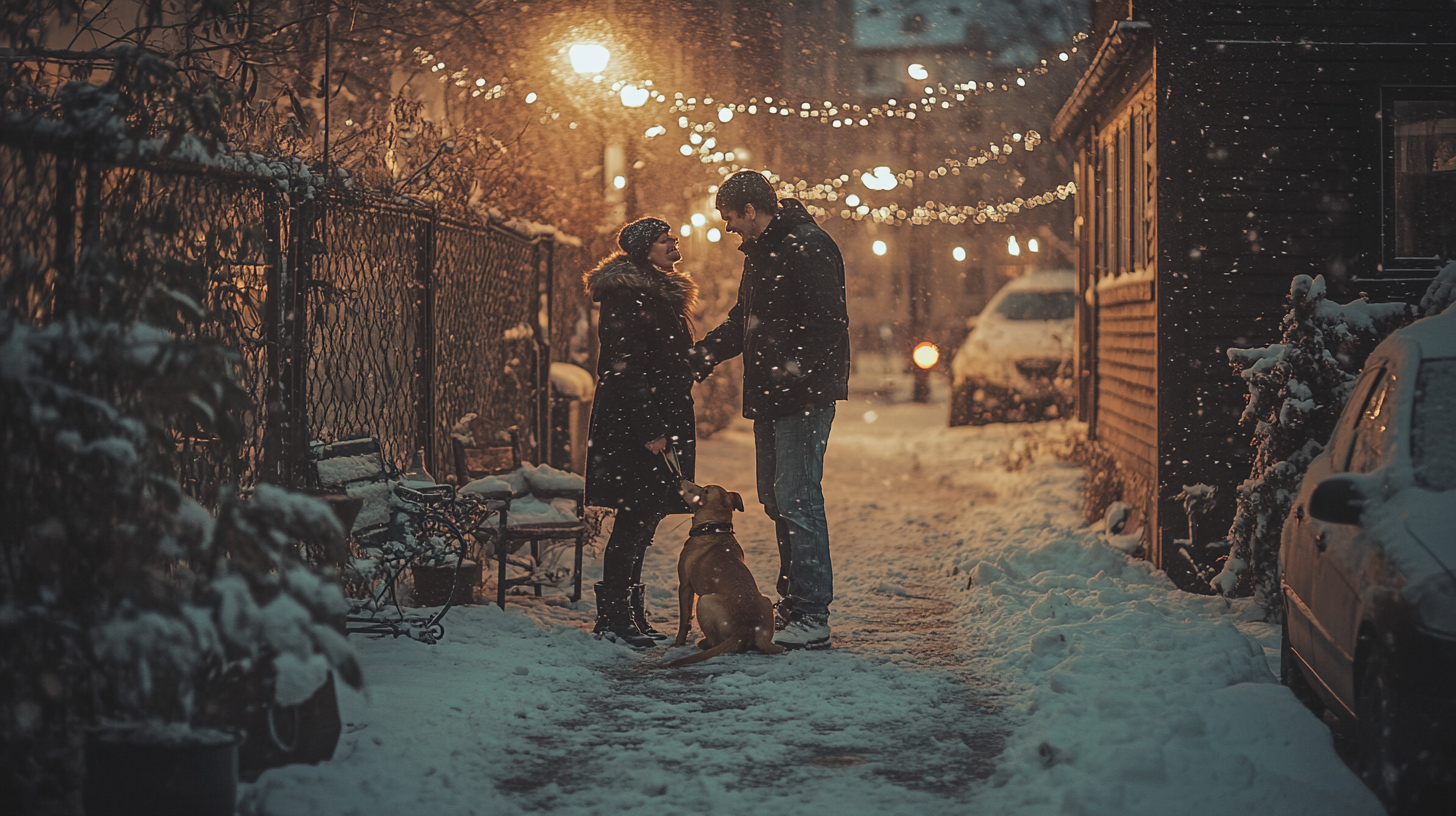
<point>1016,364</point>
<point>1368,562</point>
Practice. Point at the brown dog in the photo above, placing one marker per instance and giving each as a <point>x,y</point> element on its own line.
<point>732,613</point>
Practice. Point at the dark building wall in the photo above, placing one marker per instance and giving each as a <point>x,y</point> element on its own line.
<point>1271,153</point>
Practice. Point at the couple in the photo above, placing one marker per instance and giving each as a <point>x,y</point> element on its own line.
<point>792,328</point>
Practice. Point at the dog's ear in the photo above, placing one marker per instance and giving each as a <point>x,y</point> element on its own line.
<point>737,501</point>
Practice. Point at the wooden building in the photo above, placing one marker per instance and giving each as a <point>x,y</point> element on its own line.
<point>1224,148</point>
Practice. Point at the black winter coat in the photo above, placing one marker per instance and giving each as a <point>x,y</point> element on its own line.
<point>790,324</point>
<point>644,386</point>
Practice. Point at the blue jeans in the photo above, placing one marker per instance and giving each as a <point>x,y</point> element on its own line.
<point>789,454</point>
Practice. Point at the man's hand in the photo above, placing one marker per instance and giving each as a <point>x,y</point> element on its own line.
<point>657,445</point>
<point>701,362</point>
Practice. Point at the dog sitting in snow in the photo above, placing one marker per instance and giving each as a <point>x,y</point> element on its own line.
<point>732,613</point>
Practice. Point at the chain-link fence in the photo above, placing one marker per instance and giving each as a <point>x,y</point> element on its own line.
<point>349,316</point>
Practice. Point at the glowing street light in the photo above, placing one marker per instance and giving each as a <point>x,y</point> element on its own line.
<point>917,71</point>
<point>880,248</point>
<point>619,182</point>
<point>699,219</point>
<point>925,355</point>
<point>588,59</point>
<point>633,96</point>
<point>959,253</point>
<point>1033,245</point>
<point>685,230</point>
<point>1012,247</point>
<point>714,236</point>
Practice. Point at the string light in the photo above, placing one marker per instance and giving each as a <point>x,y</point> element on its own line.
<point>842,114</point>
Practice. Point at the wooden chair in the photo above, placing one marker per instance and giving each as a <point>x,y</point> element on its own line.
<point>482,454</point>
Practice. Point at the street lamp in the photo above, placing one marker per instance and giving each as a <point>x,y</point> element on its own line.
<point>587,58</point>
<point>925,356</point>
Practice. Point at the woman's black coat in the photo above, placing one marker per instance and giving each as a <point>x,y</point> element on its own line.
<point>644,386</point>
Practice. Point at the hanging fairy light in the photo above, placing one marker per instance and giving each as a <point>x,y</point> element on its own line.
<point>592,59</point>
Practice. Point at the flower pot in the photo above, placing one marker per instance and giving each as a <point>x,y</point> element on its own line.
<point>171,771</point>
<point>279,735</point>
<point>432,584</point>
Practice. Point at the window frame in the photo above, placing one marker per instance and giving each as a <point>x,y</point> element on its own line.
<point>1393,266</point>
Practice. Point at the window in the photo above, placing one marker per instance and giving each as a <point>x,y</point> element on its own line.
<point>1433,446</point>
<point>1038,306</point>
<point>1126,190</point>
<point>1374,439</point>
<point>1419,229</point>
<point>1339,445</point>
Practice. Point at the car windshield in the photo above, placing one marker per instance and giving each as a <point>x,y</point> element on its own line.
<point>1038,306</point>
<point>1433,446</point>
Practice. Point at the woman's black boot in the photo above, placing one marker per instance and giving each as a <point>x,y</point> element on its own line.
<point>614,619</point>
<point>638,599</point>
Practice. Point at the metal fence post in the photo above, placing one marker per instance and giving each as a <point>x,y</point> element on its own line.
<point>544,273</point>
<point>294,279</point>
<point>425,362</point>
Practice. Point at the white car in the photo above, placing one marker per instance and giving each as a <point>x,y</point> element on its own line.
<point>1016,364</point>
<point>1368,570</point>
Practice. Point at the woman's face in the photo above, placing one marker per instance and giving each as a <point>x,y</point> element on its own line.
<point>663,252</point>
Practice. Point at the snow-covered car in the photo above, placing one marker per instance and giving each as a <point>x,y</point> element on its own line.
<point>1368,562</point>
<point>1016,364</point>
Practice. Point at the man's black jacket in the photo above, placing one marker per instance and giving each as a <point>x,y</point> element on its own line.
<point>790,323</point>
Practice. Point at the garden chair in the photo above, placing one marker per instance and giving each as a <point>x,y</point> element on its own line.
<point>525,499</point>
<point>398,527</point>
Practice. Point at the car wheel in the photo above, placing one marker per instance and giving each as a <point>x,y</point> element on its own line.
<point>1292,676</point>
<point>1384,750</point>
<point>960,405</point>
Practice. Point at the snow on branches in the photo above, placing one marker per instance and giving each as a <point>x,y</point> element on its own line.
<point>1296,390</point>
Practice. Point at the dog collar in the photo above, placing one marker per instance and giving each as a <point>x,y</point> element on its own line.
<point>709,528</point>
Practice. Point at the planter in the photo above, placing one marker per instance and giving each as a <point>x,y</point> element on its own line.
<point>283,735</point>
<point>432,584</point>
<point>171,771</point>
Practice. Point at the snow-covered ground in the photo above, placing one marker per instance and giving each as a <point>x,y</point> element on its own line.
<point>991,655</point>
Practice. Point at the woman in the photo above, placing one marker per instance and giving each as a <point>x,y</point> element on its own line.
<point>642,415</point>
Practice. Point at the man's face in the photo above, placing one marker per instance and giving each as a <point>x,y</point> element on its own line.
<point>743,224</point>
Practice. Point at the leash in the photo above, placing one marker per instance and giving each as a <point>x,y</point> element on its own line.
<point>669,455</point>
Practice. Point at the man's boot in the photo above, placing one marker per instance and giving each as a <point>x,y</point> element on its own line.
<point>638,600</point>
<point>614,619</point>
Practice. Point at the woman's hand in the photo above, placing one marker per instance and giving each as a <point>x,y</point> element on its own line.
<point>657,445</point>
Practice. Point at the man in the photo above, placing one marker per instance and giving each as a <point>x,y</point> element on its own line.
<point>792,328</point>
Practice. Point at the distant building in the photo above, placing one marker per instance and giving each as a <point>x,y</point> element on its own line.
<point>863,51</point>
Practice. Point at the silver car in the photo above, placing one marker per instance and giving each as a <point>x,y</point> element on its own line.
<point>1368,570</point>
<point>1016,364</point>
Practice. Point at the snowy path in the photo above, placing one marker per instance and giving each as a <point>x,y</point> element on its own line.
<point>991,656</point>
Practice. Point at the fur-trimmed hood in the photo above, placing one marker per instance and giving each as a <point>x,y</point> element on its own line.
<point>617,271</point>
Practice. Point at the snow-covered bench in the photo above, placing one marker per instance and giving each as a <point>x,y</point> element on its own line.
<point>532,503</point>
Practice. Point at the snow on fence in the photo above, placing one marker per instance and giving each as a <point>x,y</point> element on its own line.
<point>349,315</point>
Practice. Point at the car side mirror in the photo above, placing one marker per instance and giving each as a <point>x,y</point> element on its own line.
<point>1337,501</point>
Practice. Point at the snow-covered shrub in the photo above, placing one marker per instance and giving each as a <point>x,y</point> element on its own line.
<point>122,598</point>
<point>1297,388</point>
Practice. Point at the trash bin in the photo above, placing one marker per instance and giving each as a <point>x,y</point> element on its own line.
<point>572,389</point>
